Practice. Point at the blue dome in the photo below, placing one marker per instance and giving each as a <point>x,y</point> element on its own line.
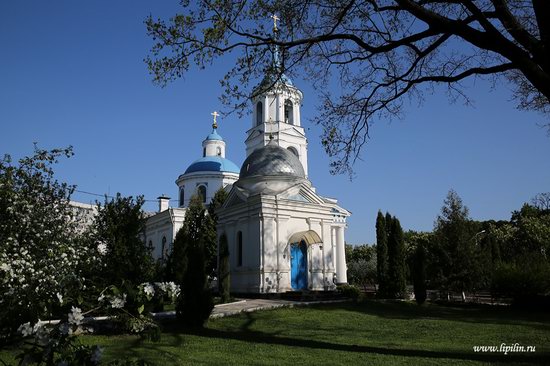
<point>214,136</point>
<point>212,164</point>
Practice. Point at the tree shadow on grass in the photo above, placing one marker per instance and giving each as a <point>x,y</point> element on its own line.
<point>173,337</point>
<point>471,313</point>
<point>270,339</point>
<point>138,349</point>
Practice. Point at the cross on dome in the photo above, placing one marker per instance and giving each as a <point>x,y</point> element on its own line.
<point>275,18</point>
<point>215,124</point>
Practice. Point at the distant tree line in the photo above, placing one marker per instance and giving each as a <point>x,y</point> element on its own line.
<point>508,259</point>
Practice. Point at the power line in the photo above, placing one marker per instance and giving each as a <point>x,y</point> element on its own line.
<point>93,194</point>
<point>108,196</point>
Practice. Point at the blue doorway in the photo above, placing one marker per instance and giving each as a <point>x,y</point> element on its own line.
<point>298,266</point>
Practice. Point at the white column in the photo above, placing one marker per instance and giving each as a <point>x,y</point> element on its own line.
<point>278,114</point>
<point>266,109</point>
<point>341,268</point>
<point>303,157</point>
<point>297,121</point>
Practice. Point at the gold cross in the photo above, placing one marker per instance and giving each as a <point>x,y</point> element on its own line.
<point>275,18</point>
<point>215,114</point>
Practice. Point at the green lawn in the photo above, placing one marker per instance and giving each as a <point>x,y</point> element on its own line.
<point>340,334</point>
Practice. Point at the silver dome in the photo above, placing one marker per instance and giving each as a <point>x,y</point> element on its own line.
<point>272,161</point>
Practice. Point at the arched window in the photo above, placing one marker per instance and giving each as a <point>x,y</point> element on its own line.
<point>293,150</point>
<point>289,112</point>
<point>239,249</point>
<point>204,152</point>
<point>202,193</point>
<point>182,196</point>
<point>150,246</point>
<point>259,113</point>
<point>219,151</point>
<point>164,252</point>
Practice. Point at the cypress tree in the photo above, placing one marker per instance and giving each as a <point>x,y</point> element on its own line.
<point>396,260</point>
<point>381,253</point>
<point>195,304</point>
<point>211,237</point>
<point>176,264</point>
<point>209,240</point>
<point>419,274</point>
<point>223,273</point>
<point>388,222</point>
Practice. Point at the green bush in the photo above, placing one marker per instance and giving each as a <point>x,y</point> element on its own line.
<point>349,291</point>
<point>524,280</point>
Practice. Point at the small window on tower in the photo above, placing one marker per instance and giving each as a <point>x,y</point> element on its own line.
<point>204,152</point>
<point>182,197</point>
<point>259,113</point>
<point>202,193</point>
<point>219,151</point>
<point>293,150</point>
<point>289,112</point>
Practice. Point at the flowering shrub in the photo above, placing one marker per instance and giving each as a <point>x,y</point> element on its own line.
<point>42,258</point>
<point>131,315</point>
<point>57,344</point>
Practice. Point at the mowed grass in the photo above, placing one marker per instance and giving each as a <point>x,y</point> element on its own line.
<point>372,332</point>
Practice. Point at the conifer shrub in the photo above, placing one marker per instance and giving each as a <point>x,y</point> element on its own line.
<point>224,280</point>
<point>419,275</point>
<point>196,302</point>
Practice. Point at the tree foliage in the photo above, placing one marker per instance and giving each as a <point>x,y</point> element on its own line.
<point>361,261</point>
<point>119,225</point>
<point>381,251</point>
<point>210,234</point>
<point>43,259</point>
<point>224,279</point>
<point>196,304</point>
<point>396,284</point>
<point>541,201</point>
<point>455,236</point>
<point>522,270</point>
<point>531,230</point>
<point>362,272</point>
<point>176,264</point>
<point>419,274</point>
<point>379,51</point>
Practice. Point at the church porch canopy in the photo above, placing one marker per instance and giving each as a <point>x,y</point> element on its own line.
<point>309,237</point>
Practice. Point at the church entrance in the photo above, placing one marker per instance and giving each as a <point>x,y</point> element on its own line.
<point>298,265</point>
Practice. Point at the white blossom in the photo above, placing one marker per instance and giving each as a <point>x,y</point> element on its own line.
<point>148,289</point>
<point>25,329</point>
<point>102,248</point>
<point>118,302</point>
<point>59,297</point>
<point>75,316</point>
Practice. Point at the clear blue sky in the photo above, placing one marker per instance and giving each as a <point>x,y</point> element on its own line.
<point>72,73</point>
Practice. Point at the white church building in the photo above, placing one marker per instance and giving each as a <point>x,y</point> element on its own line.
<point>282,235</point>
<point>205,176</point>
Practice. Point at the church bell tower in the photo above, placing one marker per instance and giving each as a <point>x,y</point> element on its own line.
<point>276,112</point>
